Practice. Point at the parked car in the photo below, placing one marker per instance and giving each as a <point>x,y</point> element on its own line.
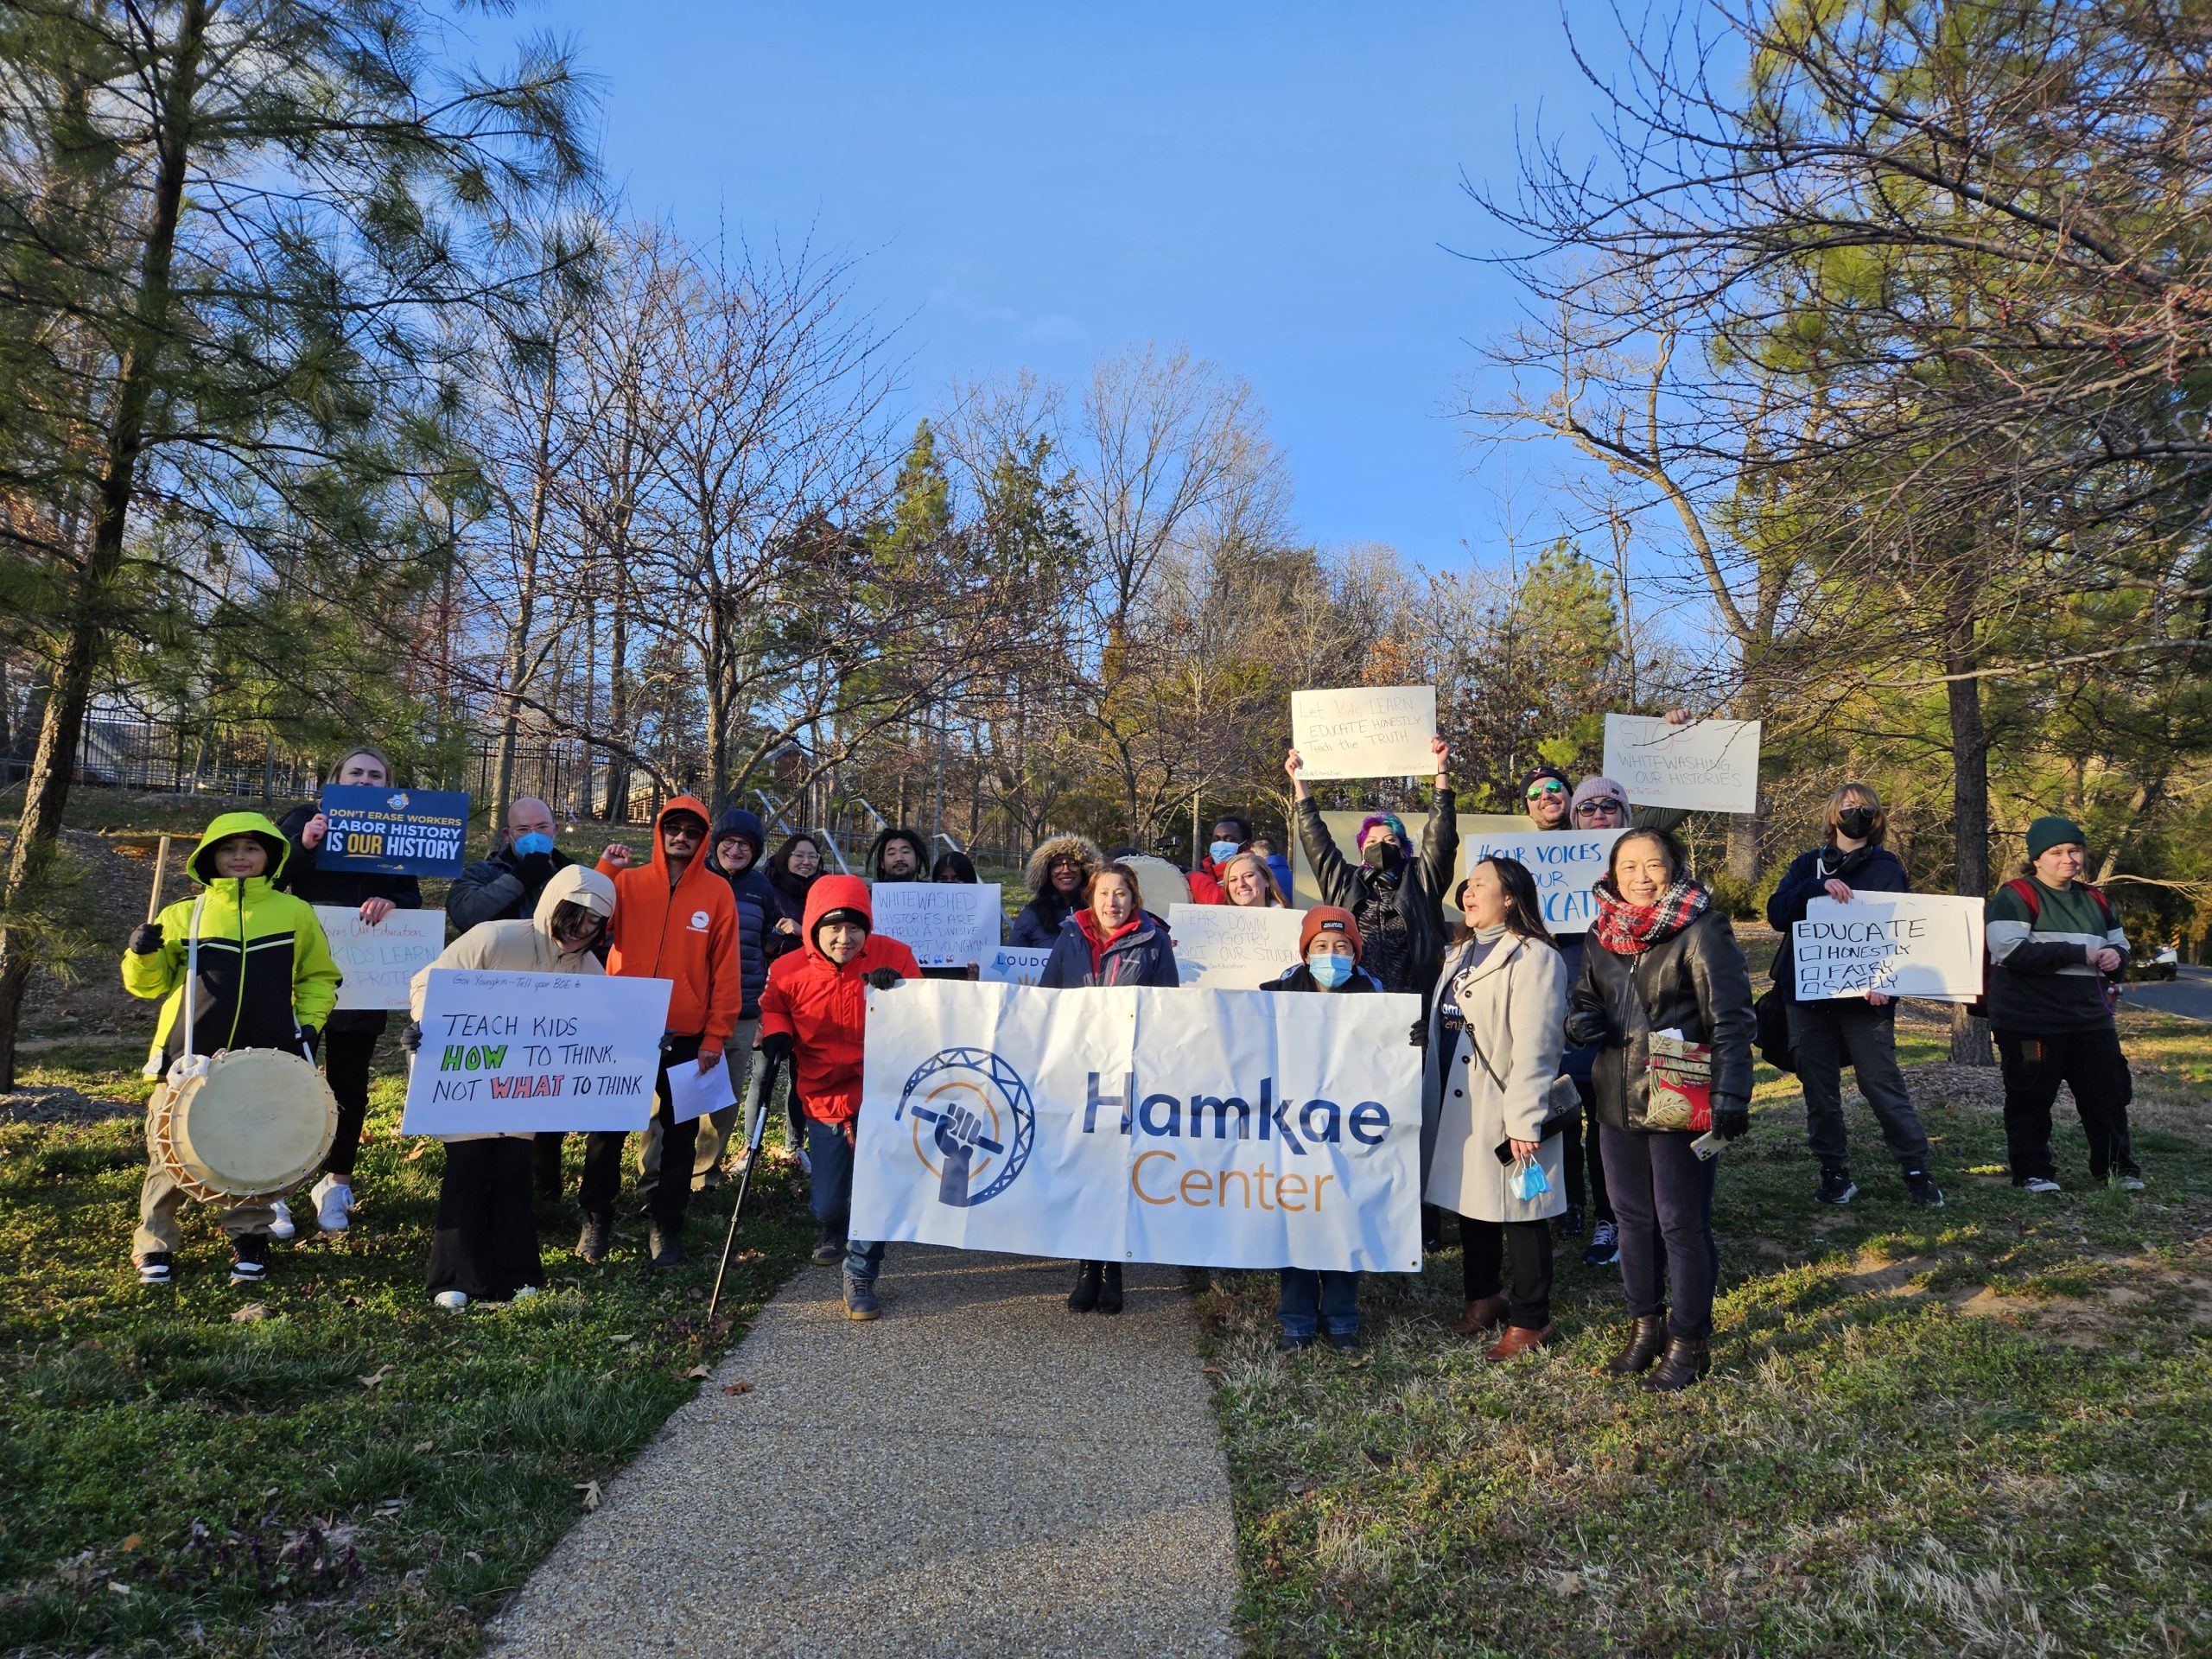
<point>2159,965</point>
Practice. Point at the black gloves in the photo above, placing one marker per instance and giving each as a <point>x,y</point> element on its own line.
<point>1731,1119</point>
<point>310,1037</point>
<point>537,868</point>
<point>776,1045</point>
<point>145,939</point>
<point>1419,1035</point>
<point>884,978</point>
<point>411,1038</point>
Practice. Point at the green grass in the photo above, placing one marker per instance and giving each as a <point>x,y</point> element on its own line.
<point>356,1472</point>
<point>1982,1430</point>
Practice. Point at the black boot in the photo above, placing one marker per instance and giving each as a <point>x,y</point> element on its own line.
<point>1084,1296</point>
<point>1110,1289</point>
<point>1686,1360</point>
<point>1647,1340</point>
<point>665,1242</point>
<point>597,1237</point>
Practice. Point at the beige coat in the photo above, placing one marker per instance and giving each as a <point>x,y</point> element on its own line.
<point>523,947</point>
<point>1515,1004</point>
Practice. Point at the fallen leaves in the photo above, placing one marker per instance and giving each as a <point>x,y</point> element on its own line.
<point>251,1313</point>
<point>375,1379</point>
<point>590,1490</point>
<point>739,1387</point>
<point>699,1372</point>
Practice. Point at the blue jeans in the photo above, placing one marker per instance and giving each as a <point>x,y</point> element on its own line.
<point>832,1197</point>
<point>1311,1297</point>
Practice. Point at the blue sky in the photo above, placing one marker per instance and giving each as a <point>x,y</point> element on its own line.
<point>1273,185</point>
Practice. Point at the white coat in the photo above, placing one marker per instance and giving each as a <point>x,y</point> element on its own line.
<point>1515,1005</point>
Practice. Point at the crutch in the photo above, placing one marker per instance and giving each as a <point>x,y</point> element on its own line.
<point>757,1093</point>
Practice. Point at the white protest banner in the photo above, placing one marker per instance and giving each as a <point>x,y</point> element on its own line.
<point>944,924</point>
<point>504,1052</point>
<point>1016,964</point>
<point>1564,862</point>
<point>1224,948</point>
<point>1924,944</point>
<point>378,961</point>
<point>1364,731</point>
<point>1218,1129</point>
<point>1708,766</point>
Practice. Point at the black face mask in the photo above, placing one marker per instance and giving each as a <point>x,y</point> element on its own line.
<point>1381,854</point>
<point>1857,822</point>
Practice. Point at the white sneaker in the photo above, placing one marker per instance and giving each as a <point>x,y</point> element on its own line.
<point>805,1163</point>
<point>2039,1184</point>
<point>451,1298</point>
<point>334,1201</point>
<point>280,1220</point>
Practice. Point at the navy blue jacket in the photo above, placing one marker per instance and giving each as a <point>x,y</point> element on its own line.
<point>1869,869</point>
<point>757,910</point>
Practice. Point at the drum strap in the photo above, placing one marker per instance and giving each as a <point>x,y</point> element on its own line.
<point>187,1062</point>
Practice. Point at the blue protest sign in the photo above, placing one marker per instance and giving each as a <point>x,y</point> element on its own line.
<point>394,831</point>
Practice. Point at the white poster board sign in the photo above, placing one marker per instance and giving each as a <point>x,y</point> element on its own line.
<point>945,925</point>
<point>378,961</point>
<point>1708,766</point>
<point>504,1052</point>
<point>1016,964</point>
<point>1217,1129</point>
<point>1224,948</point>
<point>1565,863</point>
<point>1364,731</point>
<point>1924,944</point>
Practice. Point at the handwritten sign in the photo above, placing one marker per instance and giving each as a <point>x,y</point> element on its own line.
<point>378,962</point>
<point>394,831</point>
<point>1924,944</point>
<point>945,925</point>
<point>503,1053</point>
<point>1224,948</point>
<point>1565,863</point>
<point>1364,731</point>
<point>1016,964</point>
<point>1708,766</point>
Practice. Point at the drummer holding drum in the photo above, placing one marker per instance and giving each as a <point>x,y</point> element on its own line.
<point>240,1113</point>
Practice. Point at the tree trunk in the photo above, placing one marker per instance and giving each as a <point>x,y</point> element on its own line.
<point>618,695</point>
<point>46,791</point>
<point>1969,807</point>
<point>1746,843</point>
<point>525,606</point>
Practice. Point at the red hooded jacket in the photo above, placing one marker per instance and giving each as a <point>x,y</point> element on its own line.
<point>688,934</point>
<point>823,1007</point>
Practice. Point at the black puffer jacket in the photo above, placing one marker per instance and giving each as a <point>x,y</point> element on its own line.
<point>1695,981</point>
<point>1422,881</point>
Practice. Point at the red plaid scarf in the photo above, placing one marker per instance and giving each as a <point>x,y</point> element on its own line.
<point>1628,929</point>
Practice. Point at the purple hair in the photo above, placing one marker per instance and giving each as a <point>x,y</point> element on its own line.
<point>1390,819</point>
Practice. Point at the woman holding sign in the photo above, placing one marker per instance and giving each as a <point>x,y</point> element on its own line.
<point>1666,997</point>
<point>350,1038</point>
<point>1860,1032</point>
<point>485,1247</point>
<point>1111,941</point>
<point>1491,1084</point>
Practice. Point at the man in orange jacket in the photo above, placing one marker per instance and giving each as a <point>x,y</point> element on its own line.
<point>674,920</point>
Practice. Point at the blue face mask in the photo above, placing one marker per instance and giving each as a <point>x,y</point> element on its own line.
<point>533,844</point>
<point>1528,1180</point>
<point>1222,851</point>
<point>1329,972</point>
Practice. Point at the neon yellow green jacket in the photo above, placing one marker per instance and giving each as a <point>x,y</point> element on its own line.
<point>265,969</point>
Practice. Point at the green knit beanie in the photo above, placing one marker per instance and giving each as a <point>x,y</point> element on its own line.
<point>2047,833</point>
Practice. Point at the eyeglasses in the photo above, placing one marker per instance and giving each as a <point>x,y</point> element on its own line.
<point>1551,787</point>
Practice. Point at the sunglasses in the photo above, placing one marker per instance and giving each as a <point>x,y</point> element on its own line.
<point>1538,791</point>
<point>1607,805</point>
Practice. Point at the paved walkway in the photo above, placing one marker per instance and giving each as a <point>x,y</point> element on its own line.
<point>978,1472</point>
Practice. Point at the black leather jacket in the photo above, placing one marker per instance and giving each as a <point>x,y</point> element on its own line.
<point>1695,981</point>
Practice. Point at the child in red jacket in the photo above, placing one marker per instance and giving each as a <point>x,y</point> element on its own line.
<point>814,1012</point>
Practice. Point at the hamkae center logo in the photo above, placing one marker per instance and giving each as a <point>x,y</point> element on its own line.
<point>975,1124</point>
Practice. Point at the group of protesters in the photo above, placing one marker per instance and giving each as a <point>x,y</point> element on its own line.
<point>1568,1083</point>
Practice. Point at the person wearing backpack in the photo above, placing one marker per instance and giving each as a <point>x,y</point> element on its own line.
<point>2054,947</point>
<point>1858,1032</point>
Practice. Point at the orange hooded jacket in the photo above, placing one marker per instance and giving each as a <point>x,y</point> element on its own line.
<point>687,934</point>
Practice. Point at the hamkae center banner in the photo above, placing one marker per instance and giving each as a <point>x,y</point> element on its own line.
<point>1209,1128</point>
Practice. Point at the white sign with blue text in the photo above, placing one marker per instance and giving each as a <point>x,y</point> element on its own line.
<point>1216,1129</point>
<point>1565,863</point>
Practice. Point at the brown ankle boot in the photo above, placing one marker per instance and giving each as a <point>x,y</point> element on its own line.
<point>1483,1313</point>
<point>1686,1361</point>
<point>1647,1340</point>
<point>1517,1340</point>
